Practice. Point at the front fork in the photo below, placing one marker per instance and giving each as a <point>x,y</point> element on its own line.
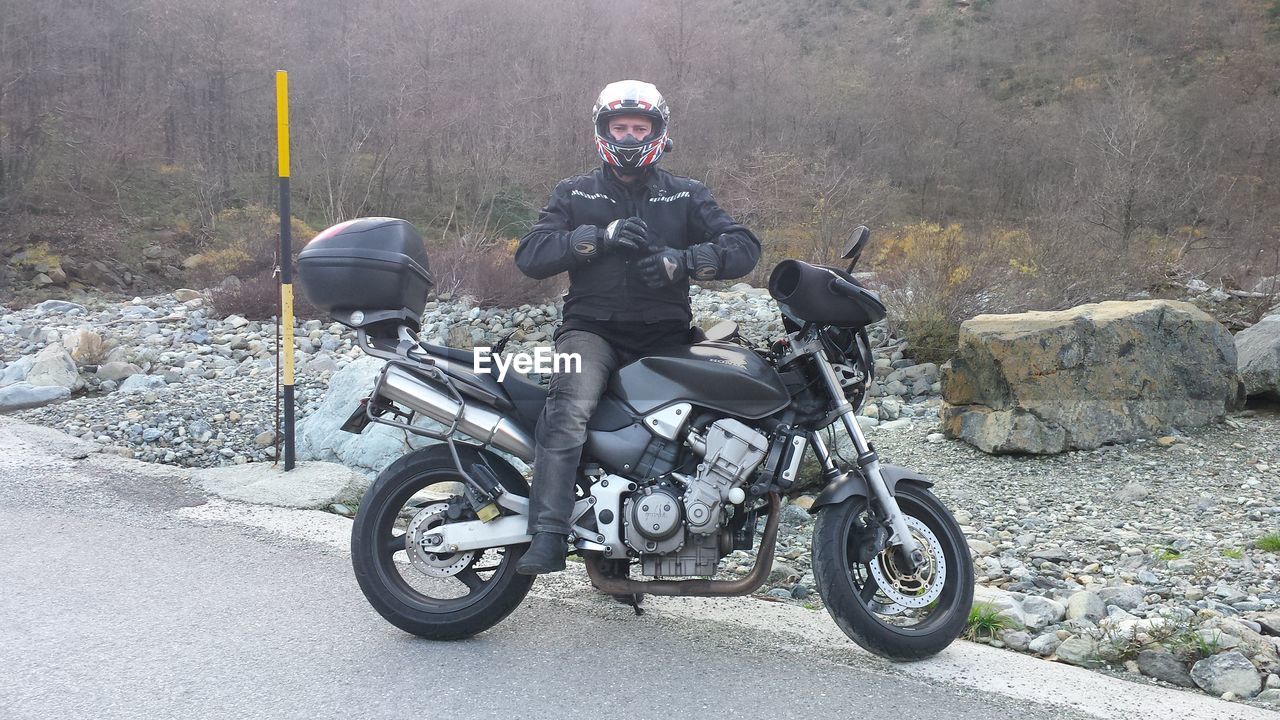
<point>869,462</point>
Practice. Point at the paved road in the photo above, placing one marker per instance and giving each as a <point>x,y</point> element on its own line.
<point>125,593</point>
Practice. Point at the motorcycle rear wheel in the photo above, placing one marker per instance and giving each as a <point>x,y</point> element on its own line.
<point>911,620</point>
<point>433,596</point>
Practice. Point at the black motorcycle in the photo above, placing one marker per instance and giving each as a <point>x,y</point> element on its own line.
<point>688,451</point>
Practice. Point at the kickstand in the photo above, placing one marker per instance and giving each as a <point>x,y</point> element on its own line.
<point>632,599</point>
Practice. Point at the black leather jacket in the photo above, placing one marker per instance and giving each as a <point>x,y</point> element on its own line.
<point>678,210</point>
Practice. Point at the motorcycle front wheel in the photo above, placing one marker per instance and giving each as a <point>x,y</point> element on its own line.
<point>897,615</point>
<point>440,596</point>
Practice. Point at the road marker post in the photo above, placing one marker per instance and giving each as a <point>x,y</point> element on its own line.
<point>286,262</point>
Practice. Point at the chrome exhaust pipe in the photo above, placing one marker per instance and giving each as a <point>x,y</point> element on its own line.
<point>480,422</point>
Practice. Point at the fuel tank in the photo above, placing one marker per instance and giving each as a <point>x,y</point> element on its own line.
<point>720,376</point>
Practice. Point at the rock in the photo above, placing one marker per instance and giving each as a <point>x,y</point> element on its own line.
<point>1041,612</point>
<point>460,337</point>
<point>1007,606</point>
<point>265,438</point>
<point>1016,639</point>
<point>321,364</point>
<point>1229,594</point>
<point>1052,553</point>
<point>60,306</point>
<point>186,295</point>
<point>1126,597</point>
<point>368,452</point>
<point>200,431</point>
<point>1250,641</point>
<point>309,486</point>
<point>235,321</point>
<point>141,383</point>
<point>1162,665</point>
<point>16,371</point>
<point>21,395</point>
<point>981,547</point>
<point>53,366</point>
<point>1079,650</point>
<point>781,573</point>
<point>1044,382</point>
<point>1259,357</point>
<point>1045,644</point>
<point>890,408</point>
<point>1271,697</point>
<point>1131,492</point>
<point>1086,605</point>
<point>795,516</point>
<point>117,371</point>
<point>1227,672</point>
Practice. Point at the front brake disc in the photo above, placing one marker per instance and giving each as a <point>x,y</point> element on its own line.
<point>918,589</point>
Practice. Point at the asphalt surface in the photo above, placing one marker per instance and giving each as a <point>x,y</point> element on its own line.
<point>126,593</point>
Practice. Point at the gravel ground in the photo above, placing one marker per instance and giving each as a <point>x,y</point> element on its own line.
<point>1159,532</point>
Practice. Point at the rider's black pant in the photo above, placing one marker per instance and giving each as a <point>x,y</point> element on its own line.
<point>562,428</point>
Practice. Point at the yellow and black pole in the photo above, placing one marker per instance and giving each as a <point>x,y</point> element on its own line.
<point>286,261</point>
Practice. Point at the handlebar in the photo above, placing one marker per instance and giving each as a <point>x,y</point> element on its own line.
<point>840,286</point>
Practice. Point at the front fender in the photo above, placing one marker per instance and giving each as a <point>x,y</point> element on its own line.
<point>853,484</point>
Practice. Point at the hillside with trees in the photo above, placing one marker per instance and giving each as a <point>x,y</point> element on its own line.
<point>1008,155</point>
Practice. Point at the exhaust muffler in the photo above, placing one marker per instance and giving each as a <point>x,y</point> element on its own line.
<point>480,422</point>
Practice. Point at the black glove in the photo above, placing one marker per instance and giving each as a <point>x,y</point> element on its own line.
<point>626,236</point>
<point>703,261</point>
<point>670,266</point>
<point>585,242</point>
<point>663,268</point>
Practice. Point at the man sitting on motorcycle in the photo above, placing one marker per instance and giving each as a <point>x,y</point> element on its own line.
<point>631,236</point>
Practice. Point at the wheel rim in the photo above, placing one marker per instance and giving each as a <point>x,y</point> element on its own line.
<point>905,604</point>
<point>432,582</point>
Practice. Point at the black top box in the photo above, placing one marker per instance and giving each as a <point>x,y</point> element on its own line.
<point>367,270</point>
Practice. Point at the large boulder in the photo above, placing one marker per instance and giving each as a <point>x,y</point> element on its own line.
<point>16,371</point>
<point>1045,382</point>
<point>319,436</point>
<point>23,395</point>
<point>1259,349</point>
<point>54,367</point>
<point>1227,672</point>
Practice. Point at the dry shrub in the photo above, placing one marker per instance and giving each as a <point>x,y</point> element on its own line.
<point>258,298</point>
<point>91,350</point>
<point>488,274</point>
<point>244,241</point>
<point>940,276</point>
<point>800,206</point>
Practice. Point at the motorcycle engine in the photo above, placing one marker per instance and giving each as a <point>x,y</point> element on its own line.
<point>676,524</point>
